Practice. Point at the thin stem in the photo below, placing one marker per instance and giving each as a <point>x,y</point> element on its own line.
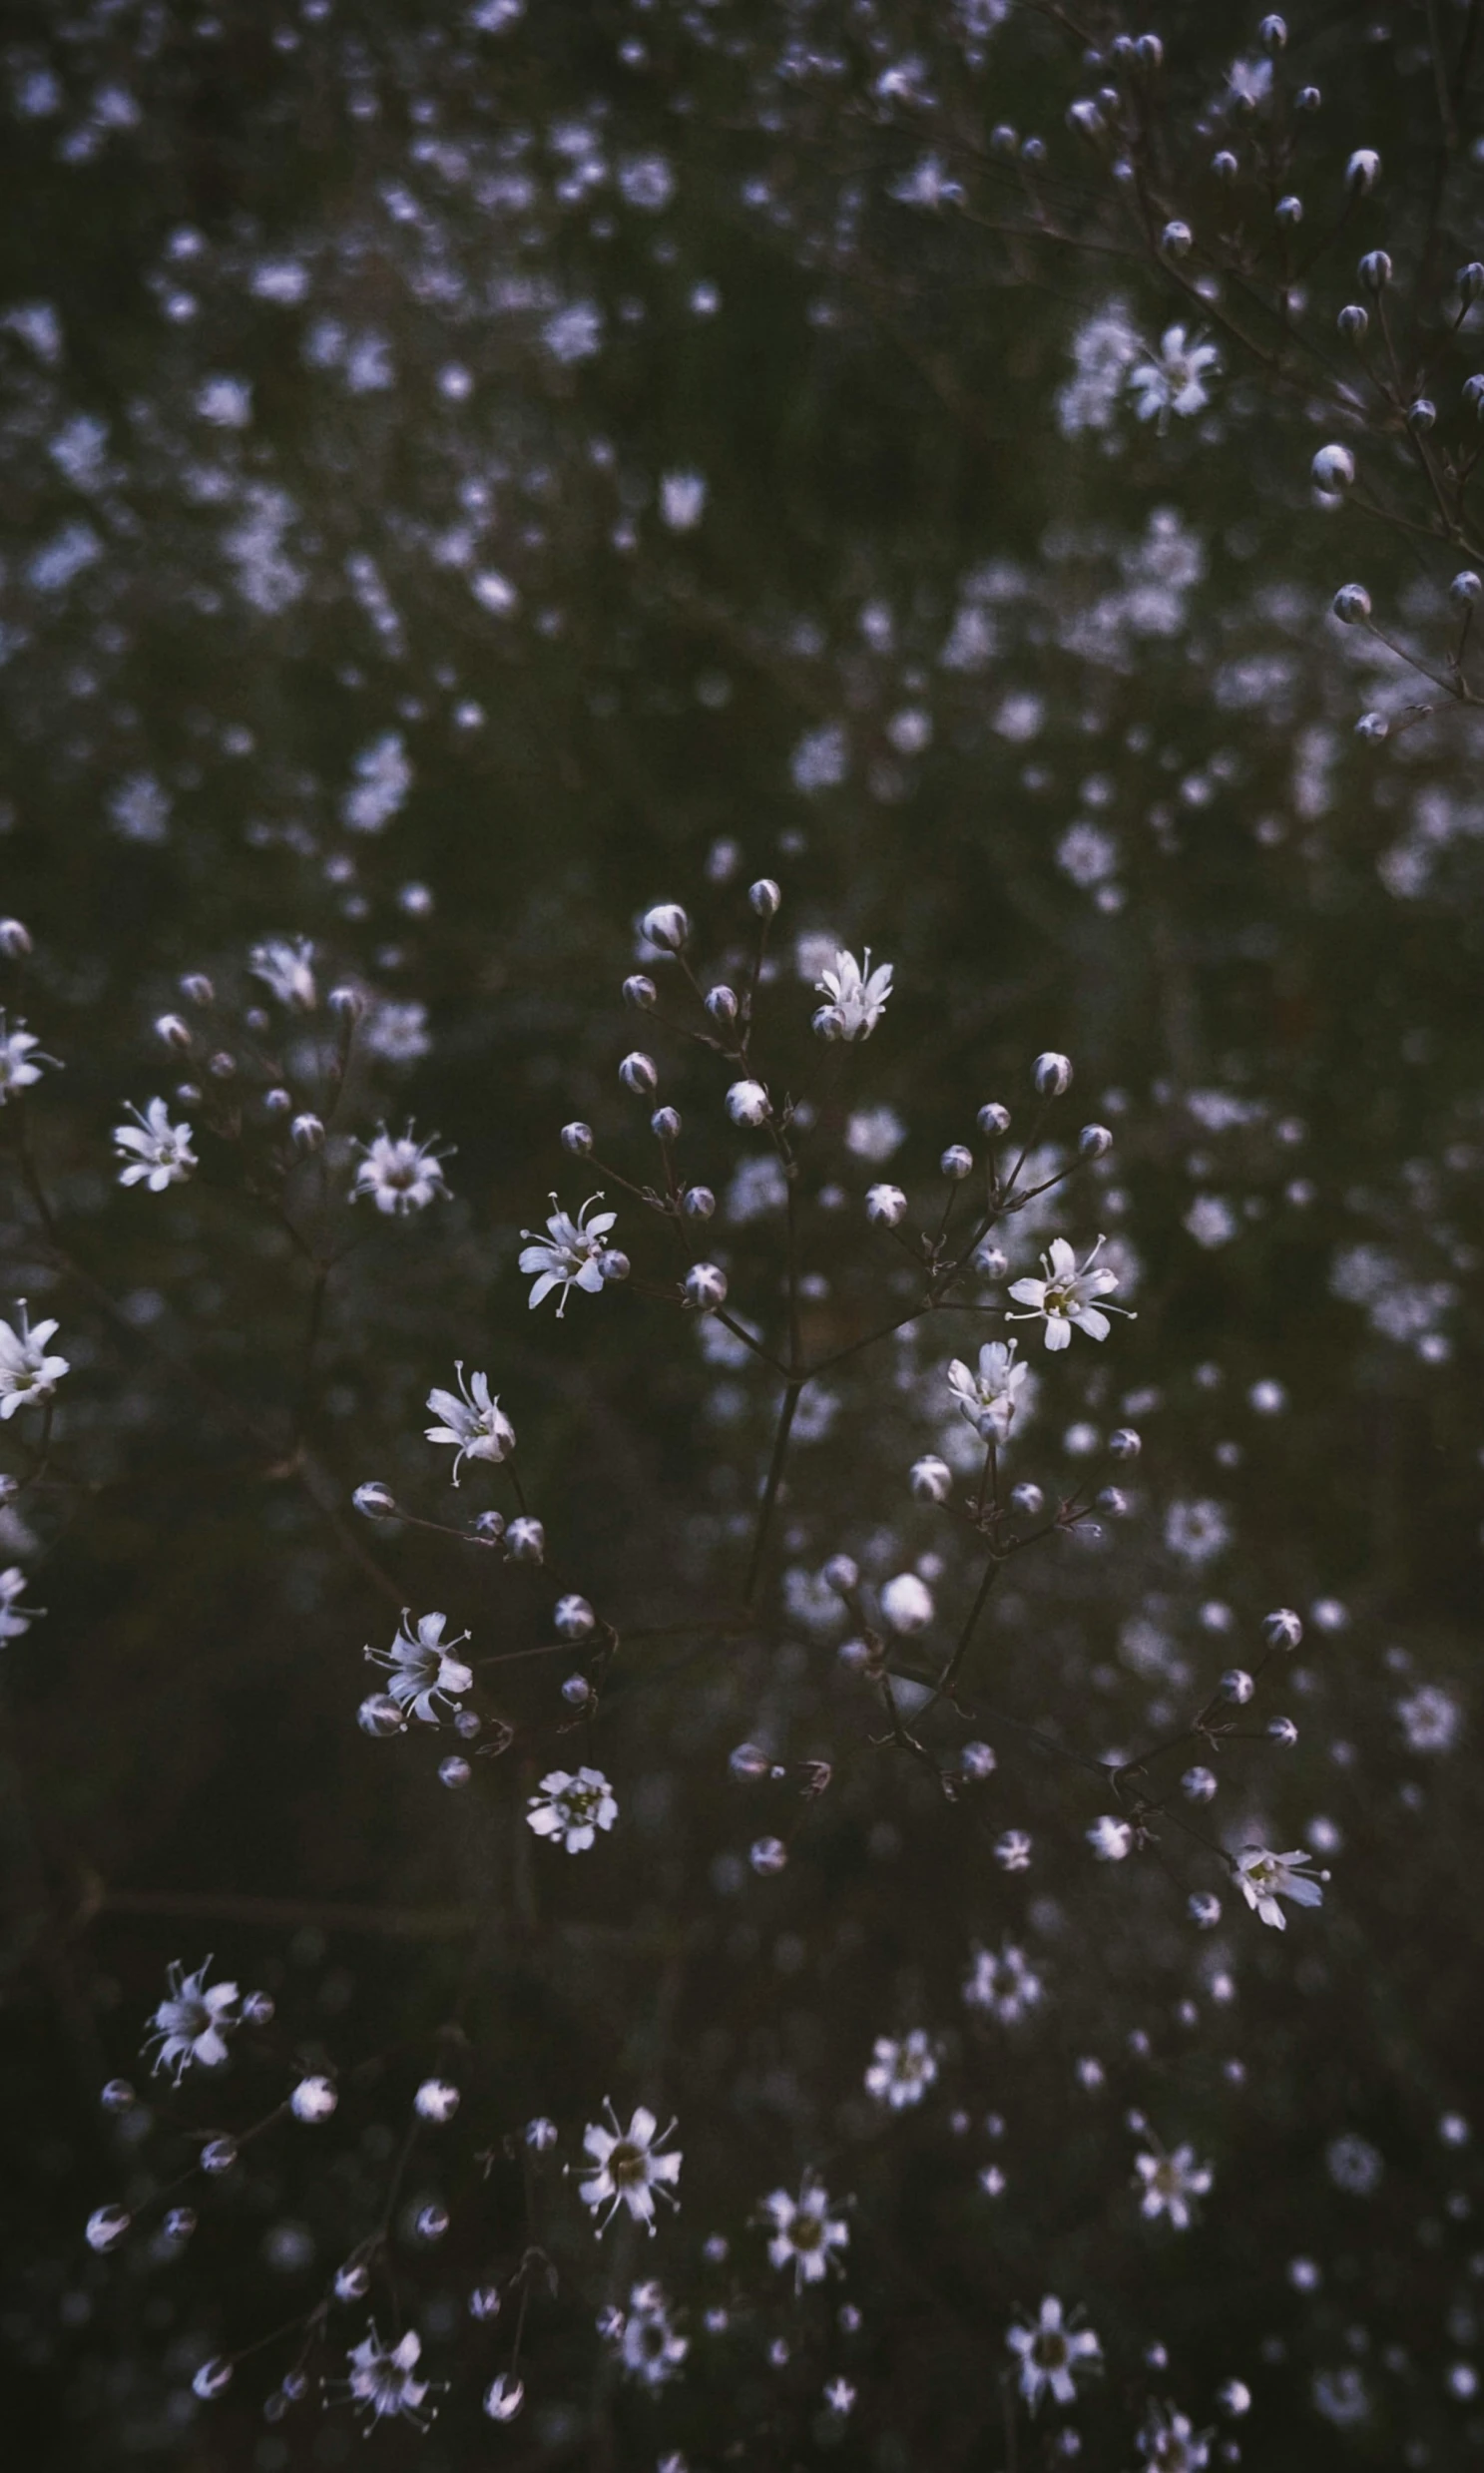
<point>791,1395</point>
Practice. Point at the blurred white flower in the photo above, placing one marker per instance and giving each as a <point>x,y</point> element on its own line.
<point>573,1807</point>
<point>901,2072</point>
<point>1171,2443</point>
<point>28,1376</point>
<point>15,1619</point>
<point>627,2166</point>
<point>156,1153</point>
<point>1174,378</point>
<point>1170,2182</point>
<point>570,1255</point>
<point>682,500</point>
<point>1431,1719</point>
<point>907,1603</point>
<point>1052,2355</point>
<point>474,1423</point>
<point>1001,1982</point>
<point>1110,1839</point>
<point>191,2022</point>
<point>646,2339</point>
<point>284,964</point>
<point>804,2234</point>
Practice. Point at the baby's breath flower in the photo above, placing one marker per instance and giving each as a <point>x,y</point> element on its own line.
<point>628,2168</point>
<point>1170,2182</point>
<point>1002,1983</point>
<point>21,1060</point>
<point>805,2235</point>
<point>646,2339</point>
<point>1265,1877</point>
<point>474,1423</point>
<point>569,1256</point>
<point>156,1152</point>
<point>401,1174</point>
<point>15,1619</point>
<point>988,1398</point>
<point>573,1807</point>
<point>286,965</point>
<point>1066,1295</point>
<point>901,2072</point>
<point>193,2021</point>
<point>28,1376</point>
<point>1171,2443</point>
<point>1052,2355</point>
<point>1110,1839</point>
<point>858,997</point>
<point>1173,379</point>
<point>383,2382</point>
<point>425,1678</point>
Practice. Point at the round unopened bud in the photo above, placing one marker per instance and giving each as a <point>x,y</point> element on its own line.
<point>931,1479</point>
<point>306,1133</point>
<point>1095,1142</point>
<point>352,2282</point>
<point>1375,272</point>
<point>1204,1911</point>
<point>1470,281</point>
<point>1052,1074</point>
<point>525,1540</point>
<point>828,1023</point>
<point>957,1163</point>
<point>484,2302</point>
<point>348,1004</point>
<point>765,897</point>
<point>490,1524</point>
<point>177,2222</point>
<point>118,2096</point>
<point>213,2378</point>
<point>259,2009</point>
<point>222,1065</point>
<point>697,1202</point>
<point>107,2227</point>
<point>767,1854</point>
<point>1027,1498</point>
<point>1351,604</point>
<point>577,1140</point>
<point>857,1657</point>
<point>1282,1629</point>
<point>1237,1685</point>
<point>1334,469</point>
<point>15,940</point>
<point>1177,239</point>
<point>705,1286</point>
<point>454,1773</point>
<point>1353,323</point>
<point>1224,163</point>
<point>842,1574</point>
<point>1125,1443</point>
<point>504,2396</point>
<point>749,1764</point>
<point>1422,415</point>
<point>576,1692</point>
<point>1113,1502</point>
<point>665,1125</point>
<point>277,1102</point>
<point>219,2155</point>
<point>1289,211</point>
<point>1148,51</point>
<point>374,1501</point>
<point>1362,171</point>
<point>1373,725</point>
<point>639,1073</point>
<point>885,1206</point>
<point>1307,99</point>
<point>1085,119</point>
<point>990,1260</point>
<point>196,988</point>
<point>977,1761</point>
<point>436,2100</point>
<point>574,1617</point>
<point>1272,34</point>
<point>721,1004</point>
<point>381,1715</point>
<point>1473,395</point>
<point>313,2099</point>
<point>1282,1730</point>
<point>666,925</point>
<point>993,1118</point>
<point>640,992</point>
<point>907,1604</point>
<point>1197,1785</point>
<point>747,1103</point>
<point>613,1264</point>
<point>1466,589</point>
<point>174,1032</point>
<point>431,2222</point>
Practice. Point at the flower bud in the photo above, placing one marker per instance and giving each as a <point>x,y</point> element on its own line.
<point>352,2282</point>
<point>431,2222</point>
<point>1282,1629</point>
<point>504,2396</point>
<point>436,2101</point>
<point>747,1103</point>
<point>613,1264</point>
<point>223,1064</point>
<point>885,1206</point>
<point>1470,281</point>
<point>1148,51</point>
<point>1473,395</point>
<point>196,988</point>
<point>1197,1785</point>
<point>1177,239</point>
<point>1422,415</point>
<point>1351,604</point>
<point>1282,1730</point>
<point>749,1764</point>
<point>1085,119</point>
<point>1204,1911</point>
<point>857,1657</point>
<point>907,1604</point>
<point>1095,1142</point>
<point>1373,725</point>
<point>374,1500</point>
<point>1052,1074</point>
<point>525,1540</point>
<point>454,1773</point>
<point>574,1617</point>
<point>259,2009</point>
<point>639,1073</point>
<point>705,1286</point>
<point>1113,1502</point>
<point>107,2227</point>
<point>379,1714</point>
<point>306,1133</point>
<point>977,1761</point>
<point>1272,34</point>
<point>1307,99</point>
<point>1354,321</point>
<point>213,2378</point>
<point>1334,469</point>
<point>576,1691</point>
<point>1375,270</point>
<point>217,2155</point>
<point>1288,212</point>
<point>697,1202</point>
<point>765,897</point>
<point>1125,1443</point>
<point>348,1004</point>
<point>1224,163</point>
<point>1362,171</point>
<point>1027,1498</point>
<point>957,1163</point>
<point>490,1524</point>
<point>989,1260</point>
<point>174,1032</point>
<point>577,1140</point>
<point>842,1574</point>
<point>828,1023</point>
<point>484,2302</point>
<point>665,1125</point>
<point>640,993</point>
<point>1237,1685</point>
<point>1466,589</point>
<point>992,1118</point>
<point>15,940</point>
<point>721,1004</point>
<point>313,2099</point>
<point>666,925</point>
<point>277,1102</point>
<point>767,1854</point>
<point>931,1479</point>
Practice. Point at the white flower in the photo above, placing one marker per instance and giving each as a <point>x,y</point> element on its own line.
<point>158,1153</point>
<point>858,997</point>
<point>1265,1877</point>
<point>1003,1982</point>
<point>987,1398</point>
<point>1052,2355</point>
<point>27,1375</point>
<point>400,1174</point>
<point>423,1673</point>
<point>900,2074</point>
<point>1173,379</point>
<point>840,2397</point>
<point>1197,1532</point>
<point>15,1618</point>
<point>1171,2444</point>
<point>18,1066</point>
<point>1430,1718</point>
<point>907,1603</point>
<point>474,1423</point>
<point>191,2021</point>
<point>682,500</point>
<point>383,2383</point>
<point>569,1256</point>
<point>284,964</point>
<point>1066,1295</point>
<point>804,2234</point>
<point>627,2166</point>
<point>1169,2184</point>
<point>646,2339</point>
<point>573,1807</point>
<point>927,185</point>
<point>1110,1839</point>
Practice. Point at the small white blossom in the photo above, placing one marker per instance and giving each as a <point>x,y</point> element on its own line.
<point>156,1152</point>
<point>988,1398</point>
<point>284,964</point>
<point>1052,2355</point>
<point>1170,2182</point>
<point>857,996</point>
<point>423,1673</point>
<point>1173,379</point>
<point>907,1603</point>
<point>1066,1295</point>
<point>191,2022</point>
<point>1002,1982</point>
<point>570,1255</point>
<point>28,1376</point>
<point>1110,1839</point>
<point>400,1174</point>
<point>573,1807</point>
<point>901,2072</point>
<point>1431,1717</point>
<point>474,1423</point>
<point>628,2167</point>
<point>804,2234</point>
<point>383,2382</point>
<point>927,185</point>
<point>21,1060</point>
<point>1171,2443</point>
<point>15,1619</point>
<point>1265,1877</point>
<point>646,2340</point>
